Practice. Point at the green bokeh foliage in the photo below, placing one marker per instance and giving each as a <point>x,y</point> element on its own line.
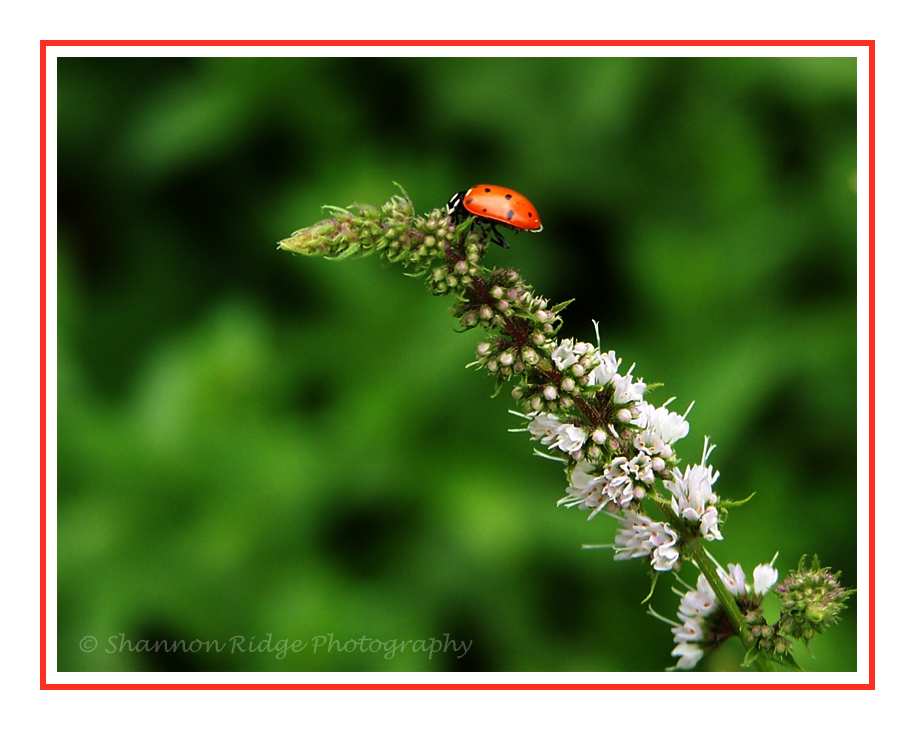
<point>251,443</point>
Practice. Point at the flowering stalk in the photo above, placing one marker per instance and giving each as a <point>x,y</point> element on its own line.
<point>589,414</point>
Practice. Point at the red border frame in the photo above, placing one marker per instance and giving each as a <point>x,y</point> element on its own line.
<point>44,685</point>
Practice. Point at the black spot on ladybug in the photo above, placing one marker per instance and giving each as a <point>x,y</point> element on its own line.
<point>509,214</point>
<point>530,214</point>
<point>486,190</point>
<point>484,210</point>
<point>508,196</point>
<point>468,200</point>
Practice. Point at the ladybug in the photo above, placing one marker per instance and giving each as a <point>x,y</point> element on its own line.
<point>491,205</point>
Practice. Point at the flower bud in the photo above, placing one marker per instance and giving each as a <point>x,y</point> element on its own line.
<point>811,599</point>
<point>550,393</point>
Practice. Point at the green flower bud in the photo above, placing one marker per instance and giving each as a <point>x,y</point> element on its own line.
<point>812,598</point>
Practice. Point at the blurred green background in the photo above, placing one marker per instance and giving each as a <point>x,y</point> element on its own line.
<point>254,444</point>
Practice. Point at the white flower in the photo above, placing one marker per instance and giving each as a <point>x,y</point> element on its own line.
<point>625,389</point>
<point>586,489</point>
<point>690,636</point>
<point>764,577</point>
<point>570,438</point>
<point>554,433</point>
<point>647,441</point>
<point>620,474</point>
<point>665,557</point>
<point>689,654</point>
<point>734,580</point>
<point>544,427</point>
<point>709,525</point>
<point>631,540</point>
<point>641,468</point>
<point>564,356</point>
<point>690,631</point>
<point>639,536</point>
<point>617,473</point>
<point>699,603</point>
<point>607,367</point>
<point>693,498</point>
<point>663,425</point>
<point>609,490</point>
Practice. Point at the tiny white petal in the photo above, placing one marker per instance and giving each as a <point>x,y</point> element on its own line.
<point>570,438</point>
<point>764,577</point>
<point>565,355</point>
<point>607,367</point>
<point>689,654</point>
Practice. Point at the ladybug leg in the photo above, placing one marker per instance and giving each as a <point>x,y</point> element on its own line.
<point>498,237</point>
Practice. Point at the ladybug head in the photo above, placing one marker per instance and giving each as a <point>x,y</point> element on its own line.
<point>456,202</point>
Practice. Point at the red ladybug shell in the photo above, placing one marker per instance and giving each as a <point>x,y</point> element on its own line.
<point>500,205</point>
